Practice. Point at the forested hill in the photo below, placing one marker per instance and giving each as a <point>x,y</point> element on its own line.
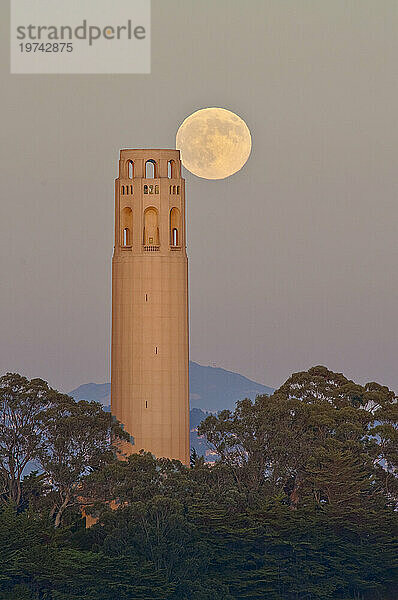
<point>211,389</point>
<point>300,503</point>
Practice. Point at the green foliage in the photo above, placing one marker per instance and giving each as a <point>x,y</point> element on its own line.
<point>34,564</point>
<point>79,438</point>
<point>22,434</point>
<point>301,505</point>
<point>67,439</point>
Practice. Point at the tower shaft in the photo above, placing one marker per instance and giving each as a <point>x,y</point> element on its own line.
<point>149,370</point>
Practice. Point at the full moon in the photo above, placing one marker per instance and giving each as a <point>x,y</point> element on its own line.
<point>214,143</point>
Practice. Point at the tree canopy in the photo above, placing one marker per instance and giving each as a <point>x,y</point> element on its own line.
<point>65,439</point>
<point>301,502</point>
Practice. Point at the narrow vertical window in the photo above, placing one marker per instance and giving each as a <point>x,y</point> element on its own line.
<point>145,189</point>
<point>146,403</point>
<point>126,236</point>
<point>126,224</point>
<point>150,169</point>
<point>130,169</point>
<point>156,349</point>
<point>146,297</point>
<point>131,189</point>
<point>122,190</point>
<point>171,169</point>
<point>175,224</point>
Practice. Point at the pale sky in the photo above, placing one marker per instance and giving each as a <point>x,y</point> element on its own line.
<point>292,261</point>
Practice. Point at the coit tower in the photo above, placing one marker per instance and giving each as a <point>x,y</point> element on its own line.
<point>149,370</point>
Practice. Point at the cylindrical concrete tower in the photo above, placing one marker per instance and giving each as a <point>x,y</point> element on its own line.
<point>149,377</point>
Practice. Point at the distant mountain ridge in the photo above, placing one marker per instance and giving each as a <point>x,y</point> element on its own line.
<point>93,392</point>
<point>211,389</point>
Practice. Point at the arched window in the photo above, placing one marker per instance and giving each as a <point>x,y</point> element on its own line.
<point>151,227</point>
<point>175,224</point>
<point>171,167</point>
<point>150,169</point>
<point>130,169</point>
<point>145,189</point>
<point>178,189</point>
<point>174,189</point>
<point>127,226</point>
<point>171,189</point>
<point>126,236</point>
<point>122,190</point>
<point>131,189</point>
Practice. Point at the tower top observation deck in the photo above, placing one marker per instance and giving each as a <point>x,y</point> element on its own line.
<point>148,163</point>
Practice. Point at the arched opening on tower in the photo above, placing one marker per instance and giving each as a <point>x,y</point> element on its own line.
<point>130,169</point>
<point>175,225</point>
<point>171,169</point>
<point>151,227</point>
<point>150,169</point>
<point>126,237</point>
<point>127,226</point>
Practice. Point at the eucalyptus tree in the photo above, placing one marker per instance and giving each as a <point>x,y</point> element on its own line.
<point>22,405</point>
<point>66,440</point>
<point>317,423</point>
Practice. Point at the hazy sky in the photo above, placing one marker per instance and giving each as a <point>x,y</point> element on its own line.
<point>293,261</point>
